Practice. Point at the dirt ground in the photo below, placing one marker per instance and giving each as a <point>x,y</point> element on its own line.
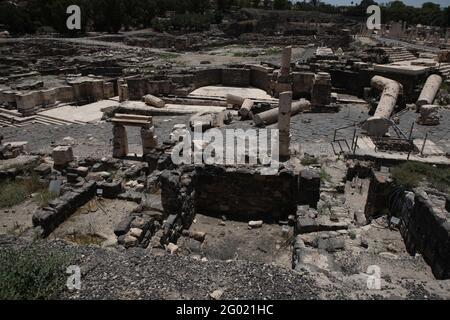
<point>17,220</point>
<point>94,223</point>
<point>232,240</point>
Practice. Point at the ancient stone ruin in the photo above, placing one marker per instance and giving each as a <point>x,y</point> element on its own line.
<point>319,150</point>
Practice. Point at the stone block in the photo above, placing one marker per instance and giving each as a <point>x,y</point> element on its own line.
<point>62,155</point>
<point>112,189</point>
<point>124,226</point>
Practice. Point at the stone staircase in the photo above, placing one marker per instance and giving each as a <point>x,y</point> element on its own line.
<point>14,119</point>
<point>444,69</point>
<point>397,54</point>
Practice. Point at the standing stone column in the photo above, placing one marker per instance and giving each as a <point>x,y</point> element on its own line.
<point>286,61</point>
<point>149,141</point>
<point>284,123</point>
<point>120,141</point>
<point>122,89</point>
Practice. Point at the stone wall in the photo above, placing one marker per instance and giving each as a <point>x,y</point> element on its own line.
<point>178,201</point>
<point>245,193</point>
<point>27,102</point>
<point>241,193</point>
<point>236,77</point>
<point>207,77</point>
<point>260,77</point>
<point>58,210</point>
<point>425,231</point>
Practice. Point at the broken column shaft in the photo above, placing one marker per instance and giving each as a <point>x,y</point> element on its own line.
<point>246,108</point>
<point>379,124</point>
<point>154,101</point>
<point>286,61</point>
<point>271,116</point>
<point>284,123</point>
<point>234,99</point>
<point>429,91</point>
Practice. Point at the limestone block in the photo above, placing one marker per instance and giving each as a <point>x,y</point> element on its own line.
<point>108,90</point>
<point>123,93</point>
<point>62,155</point>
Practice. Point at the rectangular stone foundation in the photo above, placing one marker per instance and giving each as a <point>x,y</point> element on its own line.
<point>243,192</point>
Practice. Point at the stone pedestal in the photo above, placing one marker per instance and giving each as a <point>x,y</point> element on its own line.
<point>123,92</point>
<point>321,89</point>
<point>62,155</point>
<point>120,141</point>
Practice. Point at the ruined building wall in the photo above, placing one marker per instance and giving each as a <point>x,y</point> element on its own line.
<point>427,232</point>
<point>240,193</point>
<point>245,193</point>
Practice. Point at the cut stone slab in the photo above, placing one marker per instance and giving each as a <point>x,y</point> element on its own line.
<point>221,92</point>
<point>84,114</point>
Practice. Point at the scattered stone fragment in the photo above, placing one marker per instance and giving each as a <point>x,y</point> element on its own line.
<point>171,248</point>
<point>255,224</point>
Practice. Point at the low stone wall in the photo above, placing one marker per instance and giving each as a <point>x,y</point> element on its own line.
<point>139,87</point>
<point>425,231</point>
<point>49,218</point>
<point>236,77</point>
<point>207,77</point>
<point>260,77</point>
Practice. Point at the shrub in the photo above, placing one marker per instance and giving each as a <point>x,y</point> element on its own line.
<point>309,160</point>
<point>411,174</point>
<point>324,175</point>
<point>32,273</point>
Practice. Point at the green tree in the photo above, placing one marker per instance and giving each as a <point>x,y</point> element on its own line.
<point>282,4</point>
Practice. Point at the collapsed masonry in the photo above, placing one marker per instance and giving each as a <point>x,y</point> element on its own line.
<point>79,90</point>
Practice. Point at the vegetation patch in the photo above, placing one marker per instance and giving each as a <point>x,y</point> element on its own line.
<point>309,160</point>
<point>86,239</point>
<point>32,273</point>
<point>324,175</point>
<point>168,55</point>
<point>44,197</point>
<point>412,174</point>
<point>13,192</point>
